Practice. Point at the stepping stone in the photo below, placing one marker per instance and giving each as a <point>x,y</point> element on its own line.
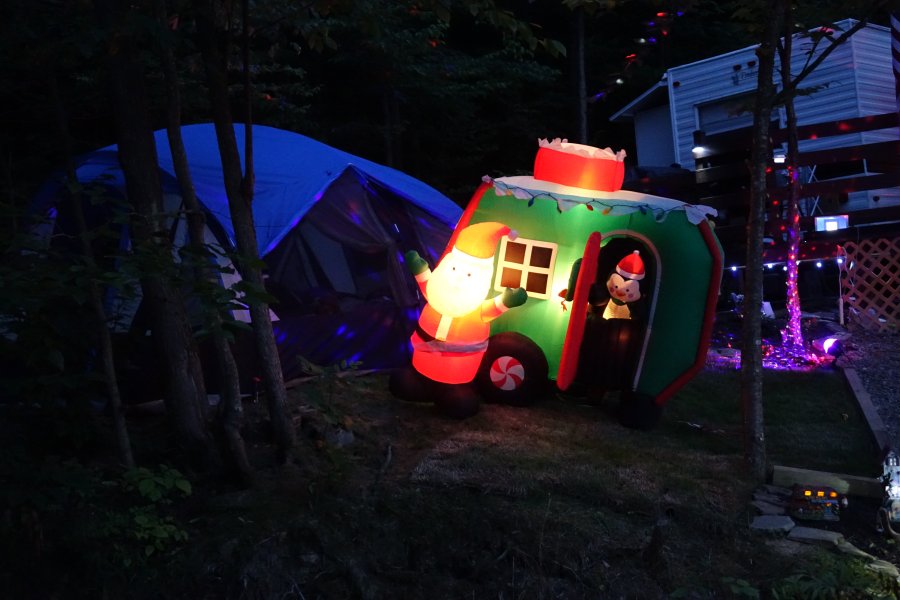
<point>767,508</point>
<point>772,524</point>
<point>875,564</point>
<point>776,490</point>
<point>848,548</point>
<point>811,535</point>
<point>770,498</point>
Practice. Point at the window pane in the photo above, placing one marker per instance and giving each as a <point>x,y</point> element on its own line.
<point>537,282</point>
<point>540,257</point>
<point>515,252</point>
<point>726,114</point>
<point>511,278</point>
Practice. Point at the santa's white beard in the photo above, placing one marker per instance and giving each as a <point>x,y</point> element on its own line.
<point>454,298</point>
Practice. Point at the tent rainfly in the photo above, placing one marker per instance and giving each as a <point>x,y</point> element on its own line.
<point>330,227</point>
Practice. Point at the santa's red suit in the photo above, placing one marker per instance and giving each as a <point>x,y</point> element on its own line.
<point>449,349</point>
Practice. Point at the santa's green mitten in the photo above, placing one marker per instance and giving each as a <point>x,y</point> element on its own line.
<point>514,297</point>
<point>415,263</point>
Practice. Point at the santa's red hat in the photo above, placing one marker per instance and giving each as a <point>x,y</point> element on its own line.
<point>480,240</point>
<point>631,267</point>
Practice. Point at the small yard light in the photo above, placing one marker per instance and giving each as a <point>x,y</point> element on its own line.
<point>889,513</point>
<point>830,346</point>
<point>699,142</point>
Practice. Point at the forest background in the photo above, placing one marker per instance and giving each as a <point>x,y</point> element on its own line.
<point>445,91</point>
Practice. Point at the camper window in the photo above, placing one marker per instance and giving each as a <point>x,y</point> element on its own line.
<point>526,263</point>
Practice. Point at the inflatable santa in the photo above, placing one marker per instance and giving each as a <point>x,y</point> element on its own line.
<point>624,287</point>
<point>452,333</point>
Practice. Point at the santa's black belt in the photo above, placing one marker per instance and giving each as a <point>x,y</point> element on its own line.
<point>427,337</point>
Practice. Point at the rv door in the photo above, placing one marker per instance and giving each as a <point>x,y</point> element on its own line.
<point>587,273</point>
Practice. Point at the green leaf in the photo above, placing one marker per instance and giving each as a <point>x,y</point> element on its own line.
<point>184,485</point>
<point>147,488</point>
<point>56,359</point>
<point>149,549</point>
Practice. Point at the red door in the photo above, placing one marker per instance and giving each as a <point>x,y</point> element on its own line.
<point>568,364</point>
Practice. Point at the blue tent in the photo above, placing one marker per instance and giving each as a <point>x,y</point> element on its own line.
<point>331,227</point>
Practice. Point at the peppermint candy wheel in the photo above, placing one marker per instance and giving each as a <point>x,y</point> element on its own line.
<point>507,373</point>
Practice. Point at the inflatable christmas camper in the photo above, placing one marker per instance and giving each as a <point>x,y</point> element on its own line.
<point>562,275</point>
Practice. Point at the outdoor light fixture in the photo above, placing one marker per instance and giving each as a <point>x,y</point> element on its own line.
<point>889,513</point>
<point>778,156</point>
<point>830,346</point>
<point>699,142</point>
<point>832,222</point>
<point>819,263</point>
<point>734,269</point>
<point>816,503</point>
<point>891,476</point>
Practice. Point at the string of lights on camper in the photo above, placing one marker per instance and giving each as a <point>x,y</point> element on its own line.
<point>660,209</point>
<point>780,356</point>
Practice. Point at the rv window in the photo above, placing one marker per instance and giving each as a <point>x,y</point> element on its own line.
<point>725,114</point>
<point>525,263</point>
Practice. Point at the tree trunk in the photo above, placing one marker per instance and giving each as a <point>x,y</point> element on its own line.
<point>390,109</point>
<point>793,333</point>
<point>244,229</point>
<point>751,350</point>
<point>792,337</point>
<point>185,391</point>
<point>107,356</point>
<point>577,62</point>
<point>249,180</point>
<point>231,409</point>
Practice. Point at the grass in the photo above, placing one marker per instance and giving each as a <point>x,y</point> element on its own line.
<point>556,500</point>
<point>811,418</point>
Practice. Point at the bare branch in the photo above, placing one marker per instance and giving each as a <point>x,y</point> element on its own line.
<point>811,66</point>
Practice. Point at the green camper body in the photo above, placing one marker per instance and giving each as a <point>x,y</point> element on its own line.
<point>684,271</point>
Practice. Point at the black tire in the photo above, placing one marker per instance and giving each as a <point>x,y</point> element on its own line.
<point>638,411</point>
<point>411,386</point>
<point>457,401</point>
<point>520,370</point>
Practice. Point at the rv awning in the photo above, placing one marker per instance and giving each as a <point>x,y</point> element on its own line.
<point>655,96</point>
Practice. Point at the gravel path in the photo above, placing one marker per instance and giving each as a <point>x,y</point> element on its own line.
<point>876,358</point>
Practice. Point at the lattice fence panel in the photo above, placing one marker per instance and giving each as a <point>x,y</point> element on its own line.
<point>870,284</point>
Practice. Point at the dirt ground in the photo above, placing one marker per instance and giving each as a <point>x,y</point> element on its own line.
<point>390,500</point>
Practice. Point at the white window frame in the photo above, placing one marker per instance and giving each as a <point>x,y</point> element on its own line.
<point>525,267</point>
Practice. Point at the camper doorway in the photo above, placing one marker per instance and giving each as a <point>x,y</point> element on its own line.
<point>615,333</point>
